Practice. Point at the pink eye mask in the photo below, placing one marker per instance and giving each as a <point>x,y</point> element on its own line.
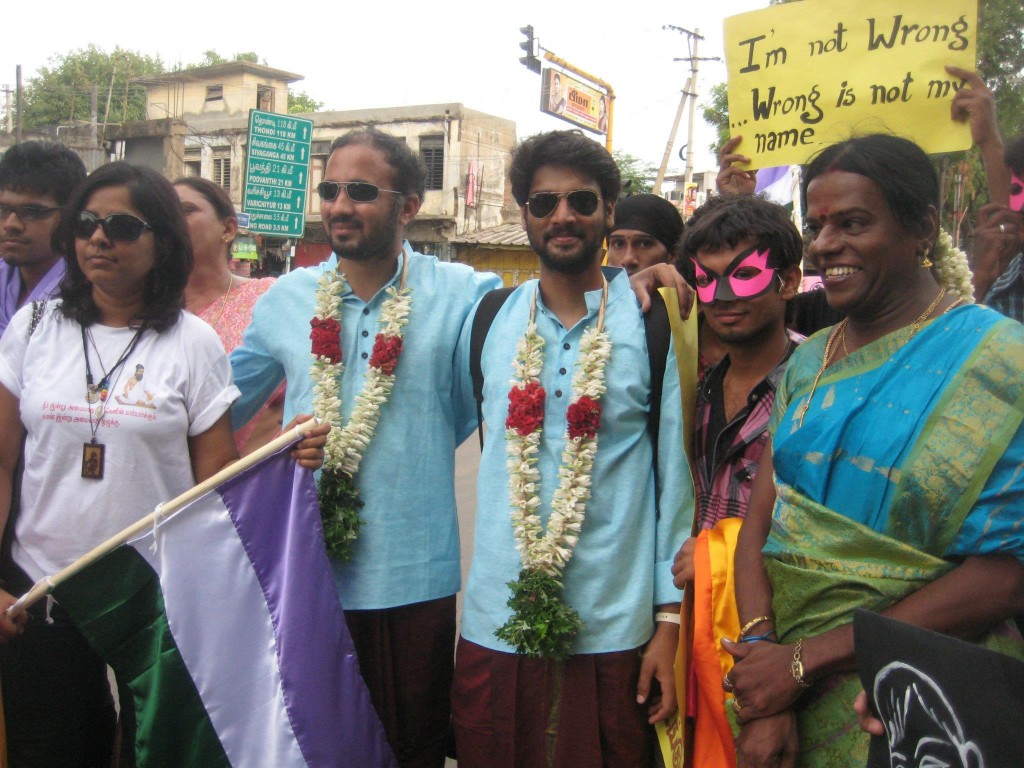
<point>734,288</point>
<point>1016,193</point>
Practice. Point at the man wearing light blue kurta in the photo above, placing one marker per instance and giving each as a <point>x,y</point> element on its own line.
<point>398,589</point>
<point>510,710</point>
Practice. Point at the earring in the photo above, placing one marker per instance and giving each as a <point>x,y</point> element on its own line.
<point>926,263</point>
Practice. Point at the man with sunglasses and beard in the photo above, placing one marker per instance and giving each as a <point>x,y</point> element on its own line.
<point>385,322</point>
<point>570,621</point>
<point>36,179</point>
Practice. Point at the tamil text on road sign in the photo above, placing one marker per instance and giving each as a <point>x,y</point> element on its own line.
<point>805,75</point>
<point>277,173</point>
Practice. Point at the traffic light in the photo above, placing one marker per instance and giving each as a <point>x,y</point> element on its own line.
<point>530,60</point>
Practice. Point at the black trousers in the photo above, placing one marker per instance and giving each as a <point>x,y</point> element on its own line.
<point>57,703</point>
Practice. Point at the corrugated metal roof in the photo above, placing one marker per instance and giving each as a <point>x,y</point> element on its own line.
<point>503,234</point>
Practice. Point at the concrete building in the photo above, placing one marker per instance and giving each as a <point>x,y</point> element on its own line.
<point>198,125</point>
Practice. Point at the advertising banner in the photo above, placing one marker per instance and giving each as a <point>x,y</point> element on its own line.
<point>565,97</point>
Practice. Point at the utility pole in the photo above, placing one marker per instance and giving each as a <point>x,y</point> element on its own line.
<point>693,39</point>
<point>8,93</point>
<point>20,102</point>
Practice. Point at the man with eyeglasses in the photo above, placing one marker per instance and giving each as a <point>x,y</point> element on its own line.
<point>570,620</point>
<point>398,589</point>
<point>36,179</point>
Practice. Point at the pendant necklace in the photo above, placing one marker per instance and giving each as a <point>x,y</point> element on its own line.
<point>93,451</point>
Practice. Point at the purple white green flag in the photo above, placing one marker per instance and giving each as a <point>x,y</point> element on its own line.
<point>225,623</point>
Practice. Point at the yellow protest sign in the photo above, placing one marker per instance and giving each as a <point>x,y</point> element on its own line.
<point>806,75</point>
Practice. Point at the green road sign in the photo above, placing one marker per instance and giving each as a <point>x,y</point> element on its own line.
<point>276,173</point>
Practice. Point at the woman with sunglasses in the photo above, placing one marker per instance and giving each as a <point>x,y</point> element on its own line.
<point>94,460</point>
<point>221,298</point>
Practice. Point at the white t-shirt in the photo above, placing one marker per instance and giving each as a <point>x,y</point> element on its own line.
<point>173,385</point>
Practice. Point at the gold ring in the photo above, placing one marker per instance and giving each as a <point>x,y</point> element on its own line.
<point>736,704</point>
<point>726,682</point>
<point>1002,228</point>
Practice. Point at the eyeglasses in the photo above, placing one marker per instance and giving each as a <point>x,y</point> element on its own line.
<point>27,212</point>
<point>543,204</point>
<point>116,226</point>
<point>357,191</point>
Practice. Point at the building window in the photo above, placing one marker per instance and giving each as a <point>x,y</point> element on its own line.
<point>222,167</point>
<point>193,163</point>
<point>265,98</point>
<point>214,92</point>
<point>432,152</point>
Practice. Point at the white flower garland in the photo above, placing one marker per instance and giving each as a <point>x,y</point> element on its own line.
<point>346,444</point>
<point>951,269</point>
<point>550,551</point>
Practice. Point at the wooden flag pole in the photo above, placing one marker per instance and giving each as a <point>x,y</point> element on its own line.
<point>43,587</point>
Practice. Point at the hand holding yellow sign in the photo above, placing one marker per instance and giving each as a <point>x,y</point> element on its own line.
<point>806,75</point>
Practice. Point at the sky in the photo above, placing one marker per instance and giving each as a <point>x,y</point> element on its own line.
<point>356,55</point>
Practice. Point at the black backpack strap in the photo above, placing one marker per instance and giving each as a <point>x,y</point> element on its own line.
<point>659,334</point>
<point>486,311</point>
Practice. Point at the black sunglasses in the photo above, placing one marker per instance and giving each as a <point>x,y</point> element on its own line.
<point>357,191</point>
<point>117,226</point>
<point>543,204</point>
<point>27,212</point>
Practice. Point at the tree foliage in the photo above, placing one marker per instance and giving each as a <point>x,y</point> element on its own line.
<point>639,174</point>
<point>716,113</point>
<point>300,101</point>
<point>61,94</point>
<point>212,58</point>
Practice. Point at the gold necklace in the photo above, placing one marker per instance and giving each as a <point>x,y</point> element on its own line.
<point>839,334</point>
<point>223,302</point>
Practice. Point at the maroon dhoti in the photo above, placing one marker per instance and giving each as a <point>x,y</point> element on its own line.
<point>405,656</point>
<point>511,711</point>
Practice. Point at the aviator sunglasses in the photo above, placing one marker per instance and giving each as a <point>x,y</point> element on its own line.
<point>357,191</point>
<point>543,204</point>
<point>117,226</point>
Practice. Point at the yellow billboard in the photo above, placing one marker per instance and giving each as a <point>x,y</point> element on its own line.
<point>565,97</point>
<point>805,75</point>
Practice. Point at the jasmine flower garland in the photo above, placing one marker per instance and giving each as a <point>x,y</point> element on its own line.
<point>337,491</point>
<point>542,623</point>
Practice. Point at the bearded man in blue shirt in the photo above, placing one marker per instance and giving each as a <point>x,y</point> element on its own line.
<point>385,324</point>
<point>570,620</point>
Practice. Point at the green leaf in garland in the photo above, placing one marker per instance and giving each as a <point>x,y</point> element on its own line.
<point>339,511</point>
<point>542,624</point>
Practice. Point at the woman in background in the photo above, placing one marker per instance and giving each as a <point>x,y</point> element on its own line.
<point>221,298</point>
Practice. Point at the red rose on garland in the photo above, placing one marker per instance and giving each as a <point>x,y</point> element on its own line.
<point>584,418</point>
<point>525,408</point>
<point>326,338</point>
<point>386,350</point>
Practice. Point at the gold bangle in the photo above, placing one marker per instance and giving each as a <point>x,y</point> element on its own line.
<point>753,623</point>
<point>797,667</point>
